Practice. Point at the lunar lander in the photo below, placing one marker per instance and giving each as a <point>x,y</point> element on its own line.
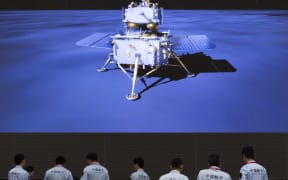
<point>141,45</point>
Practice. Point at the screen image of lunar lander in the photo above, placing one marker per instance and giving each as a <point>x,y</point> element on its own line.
<point>142,46</point>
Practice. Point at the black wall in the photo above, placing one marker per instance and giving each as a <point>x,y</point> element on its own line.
<point>117,150</point>
<point>170,4</point>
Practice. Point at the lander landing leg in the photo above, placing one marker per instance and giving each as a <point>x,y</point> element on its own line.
<point>108,61</point>
<point>134,96</point>
<point>147,74</point>
<point>189,74</point>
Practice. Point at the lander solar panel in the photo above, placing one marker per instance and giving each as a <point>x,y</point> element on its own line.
<point>99,40</point>
<point>191,44</point>
<point>181,44</point>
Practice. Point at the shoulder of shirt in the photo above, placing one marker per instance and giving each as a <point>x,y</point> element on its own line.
<point>51,169</point>
<point>25,172</point>
<point>104,167</point>
<point>261,165</point>
<point>89,166</point>
<point>203,170</point>
<point>21,169</point>
<point>68,170</point>
<point>98,165</point>
<point>184,176</point>
<point>168,174</point>
<point>133,173</point>
<point>251,165</point>
<point>245,166</point>
<point>226,174</point>
<point>248,166</point>
<point>64,168</point>
<point>163,176</point>
<point>11,170</point>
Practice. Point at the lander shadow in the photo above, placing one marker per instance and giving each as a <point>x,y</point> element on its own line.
<point>195,63</point>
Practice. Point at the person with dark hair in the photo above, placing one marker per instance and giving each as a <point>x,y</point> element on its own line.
<point>94,170</point>
<point>139,174</point>
<point>18,172</point>
<point>30,170</point>
<point>214,172</point>
<point>251,170</point>
<point>58,171</point>
<point>176,169</point>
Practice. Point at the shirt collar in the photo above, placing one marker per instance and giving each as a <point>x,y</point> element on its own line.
<point>19,166</point>
<point>140,169</point>
<point>215,168</point>
<point>251,161</point>
<point>95,163</point>
<point>175,171</point>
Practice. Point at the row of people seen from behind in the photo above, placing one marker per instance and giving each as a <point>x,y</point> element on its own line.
<point>95,171</point>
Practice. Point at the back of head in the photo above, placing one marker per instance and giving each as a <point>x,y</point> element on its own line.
<point>92,156</point>
<point>248,152</point>
<point>60,160</point>
<point>176,163</point>
<point>139,161</point>
<point>75,178</point>
<point>19,158</point>
<point>214,160</point>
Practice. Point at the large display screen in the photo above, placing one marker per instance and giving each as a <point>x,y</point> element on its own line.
<point>48,84</point>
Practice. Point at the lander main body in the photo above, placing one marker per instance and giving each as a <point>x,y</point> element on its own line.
<point>141,45</point>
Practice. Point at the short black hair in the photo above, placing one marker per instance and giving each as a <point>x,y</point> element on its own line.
<point>214,160</point>
<point>139,161</point>
<point>29,169</point>
<point>19,158</point>
<point>92,156</point>
<point>60,160</point>
<point>248,152</point>
<point>176,163</point>
<point>75,178</point>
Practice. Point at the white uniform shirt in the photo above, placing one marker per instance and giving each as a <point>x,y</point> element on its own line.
<point>174,175</point>
<point>95,172</point>
<point>58,173</point>
<point>214,173</point>
<point>140,174</point>
<point>253,171</point>
<point>18,173</point>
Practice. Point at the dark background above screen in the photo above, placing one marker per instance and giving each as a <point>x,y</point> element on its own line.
<point>171,4</point>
